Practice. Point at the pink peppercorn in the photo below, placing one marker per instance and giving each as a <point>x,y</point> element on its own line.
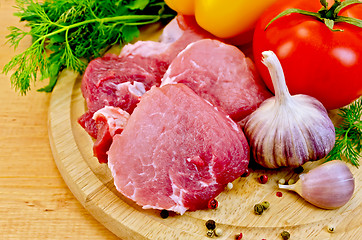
<point>263,179</point>
<point>279,194</point>
<point>239,236</point>
<point>212,204</point>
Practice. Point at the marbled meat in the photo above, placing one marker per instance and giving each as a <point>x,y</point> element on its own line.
<point>177,151</point>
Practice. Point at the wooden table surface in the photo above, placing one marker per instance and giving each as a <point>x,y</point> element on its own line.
<point>35,203</point>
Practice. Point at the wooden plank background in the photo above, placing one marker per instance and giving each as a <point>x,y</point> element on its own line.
<point>35,203</point>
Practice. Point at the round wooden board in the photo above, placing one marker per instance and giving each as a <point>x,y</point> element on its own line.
<point>92,185</point>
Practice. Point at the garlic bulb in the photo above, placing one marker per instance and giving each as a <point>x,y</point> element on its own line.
<point>329,186</point>
<point>288,130</point>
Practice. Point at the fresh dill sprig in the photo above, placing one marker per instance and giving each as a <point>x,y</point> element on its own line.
<point>67,32</point>
<point>349,134</point>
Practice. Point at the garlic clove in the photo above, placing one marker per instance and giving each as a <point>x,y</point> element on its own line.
<point>329,186</point>
<point>288,130</point>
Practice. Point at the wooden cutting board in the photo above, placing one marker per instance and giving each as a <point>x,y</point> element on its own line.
<point>92,185</point>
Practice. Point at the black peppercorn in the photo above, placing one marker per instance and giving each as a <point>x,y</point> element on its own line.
<point>298,170</point>
<point>285,235</point>
<point>210,224</point>
<point>164,214</point>
<point>258,209</point>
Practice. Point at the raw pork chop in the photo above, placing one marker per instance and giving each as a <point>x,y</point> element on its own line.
<point>119,81</point>
<point>221,74</point>
<point>177,151</point>
<point>109,81</point>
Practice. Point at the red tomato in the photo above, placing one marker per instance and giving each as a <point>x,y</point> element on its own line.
<point>316,61</point>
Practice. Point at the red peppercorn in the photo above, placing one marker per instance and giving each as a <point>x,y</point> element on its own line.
<point>239,236</point>
<point>279,194</point>
<point>212,204</point>
<point>263,179</point>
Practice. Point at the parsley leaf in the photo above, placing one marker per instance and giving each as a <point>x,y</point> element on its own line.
<point>67,33</point>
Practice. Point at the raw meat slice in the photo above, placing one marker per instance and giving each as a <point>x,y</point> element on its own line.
<point>143,62</point>
<point>221,74</point>
<point>117,81</point>
<point>177,151</point>
<point>110,121</point>
<point>180,32</point>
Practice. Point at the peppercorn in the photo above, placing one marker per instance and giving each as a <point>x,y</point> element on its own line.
<point>331,228</point>
<point>258,209</point>
<point>298,170</point>
<point>164,214</point>
<point>239,236</point>
<point>263,179</point>
<point>218,232</point>
<point>281,181</point>
<point>210,233</point>
<point>246,173</point>
<point>212,204</point>
<point>285,235</point>
<point>230,186</point>
<point>279,194</point>
<point>210,224</point>
<point>291,181</point>
<point>265,204</point>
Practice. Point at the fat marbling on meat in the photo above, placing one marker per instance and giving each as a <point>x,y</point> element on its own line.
<point>177,151</point>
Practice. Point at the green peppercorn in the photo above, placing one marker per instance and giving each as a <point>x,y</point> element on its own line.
<point>285,235</point>
<point>258,209</point>
<point>210,224</point>
<point>265,205</point>
<point>291,181</point>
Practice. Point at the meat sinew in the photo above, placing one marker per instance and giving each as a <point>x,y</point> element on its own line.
<point>177,151</point>
<point>221,74</point>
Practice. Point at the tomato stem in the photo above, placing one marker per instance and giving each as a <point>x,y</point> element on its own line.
<point>331,12</point>
<point>328,16</point>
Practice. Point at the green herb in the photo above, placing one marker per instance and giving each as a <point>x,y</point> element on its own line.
<point>349,134</point>
<point>65,32</point>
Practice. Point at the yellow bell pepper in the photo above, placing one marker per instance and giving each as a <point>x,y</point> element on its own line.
<point>223,18</point>
<point>185,7</point>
